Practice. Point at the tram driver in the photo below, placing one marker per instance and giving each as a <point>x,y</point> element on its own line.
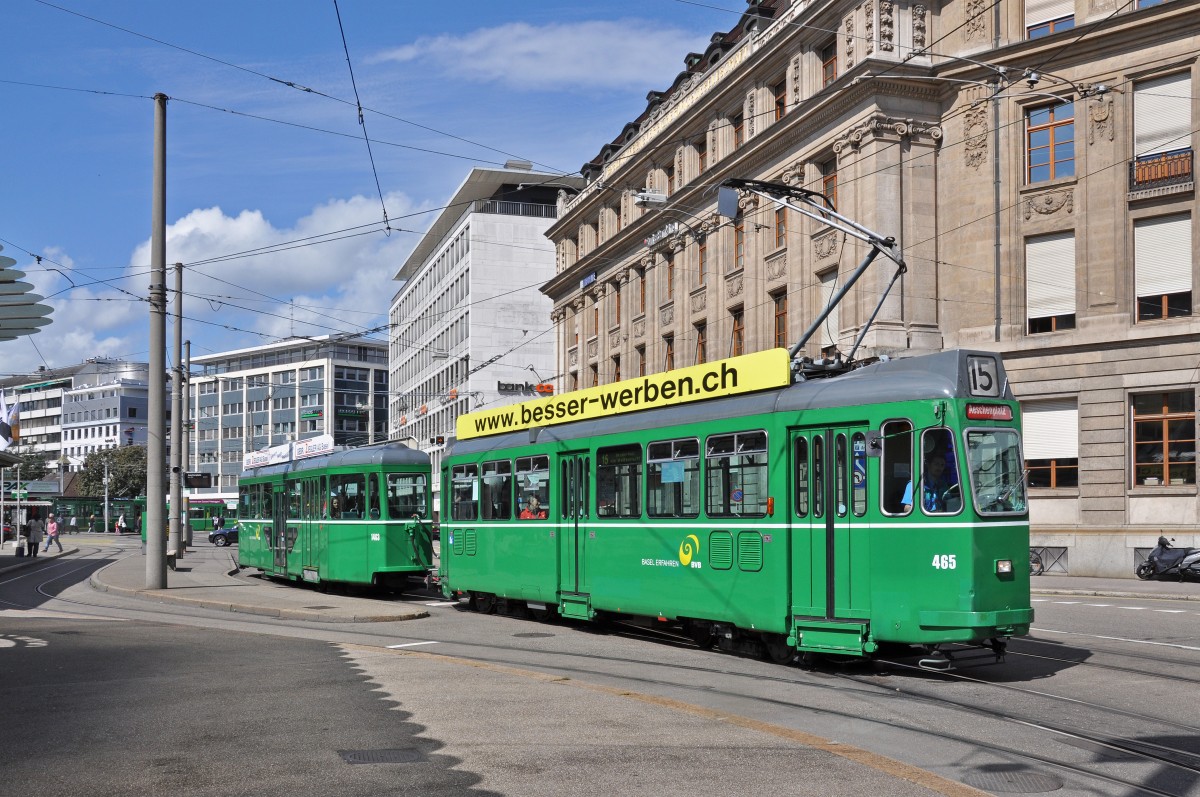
<point>940,489</point>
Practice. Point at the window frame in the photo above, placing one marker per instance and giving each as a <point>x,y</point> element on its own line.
<point>1053,127</point>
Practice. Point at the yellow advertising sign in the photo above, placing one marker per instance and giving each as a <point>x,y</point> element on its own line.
<point>745,374</point>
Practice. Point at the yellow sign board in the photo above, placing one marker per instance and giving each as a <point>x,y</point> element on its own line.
<point>745,374</point>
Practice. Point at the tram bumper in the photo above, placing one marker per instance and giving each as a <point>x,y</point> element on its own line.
<point>1004,621</point>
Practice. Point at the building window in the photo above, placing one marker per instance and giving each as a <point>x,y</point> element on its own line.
<point>702,154</point>
<point>1162,132</point>
<point>739,243</point>
<point>701,343</point>
<point>641,292</point>
<point>737,341</point>
<point>1163,267</point>
<point>780,228</point>
<point>1043,17</point>
<point>1164,438</point>
<point>669,173</point>
<point>1050,282</point>
<point>595,375</point>
<point>701,260</point>
<point>616,366</point>
<point>574,380</point>
<point>829,181</point>
<point>1051,442</point>
<point>739,130</point>
<point>595,319</point>
<point>668,352</point>
<point>1050,142</point>
<point>640,352</point>
<point>781,336</point>
<point>779,95</point>
<point>828,63</point>
<point>617,305</point>
<point>671,278</point>
<point>831,327</point>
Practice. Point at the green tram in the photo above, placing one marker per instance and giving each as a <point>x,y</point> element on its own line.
<point>357,516</point>
<point>880,506</point>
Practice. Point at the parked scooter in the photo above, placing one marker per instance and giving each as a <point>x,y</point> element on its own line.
<point>1170,564</point>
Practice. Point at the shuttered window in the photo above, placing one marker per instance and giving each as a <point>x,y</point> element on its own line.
<point>829,329</point>
<point>1163,266</point>
<point>1050,282</point>
<point>1162,115</point>
<point>1051,428</point>
<point>1043,17</point>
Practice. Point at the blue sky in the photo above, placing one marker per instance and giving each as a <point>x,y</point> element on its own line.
<point>252,162</point>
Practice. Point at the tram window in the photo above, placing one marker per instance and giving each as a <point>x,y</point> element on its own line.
<point>373,496</point>
<point>619,481</point>
<point>533,481</point>
<point>294,493</point>
<point>858,474</point>
<point>818,466</point>
<point>940,490</point>
<point>405,495</point>
<point>497,490</point>
<point>324,497</point>
<point>673,478</point>
<point>842,475</point>
<point>800,475</point>
<point>896,467</point>
<point>736,471</point>
<point>464,486</point>
<point>997,471</point>
<point>348,496</point>
<point>244,493</point>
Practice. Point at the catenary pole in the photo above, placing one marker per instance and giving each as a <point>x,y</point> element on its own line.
<point>156,538</point>
<point>185,450</point>
<point>175,541</point>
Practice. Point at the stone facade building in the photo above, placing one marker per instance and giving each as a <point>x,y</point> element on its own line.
<point>1034,164</point>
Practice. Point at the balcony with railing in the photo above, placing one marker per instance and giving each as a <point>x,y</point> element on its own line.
<point>1161,170</point>
<point>505,208</point>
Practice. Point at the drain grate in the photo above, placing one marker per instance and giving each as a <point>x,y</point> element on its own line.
<point>320,607</point>
<point>1013,782</point>
<point>402,755</point>
<point>533,635</point>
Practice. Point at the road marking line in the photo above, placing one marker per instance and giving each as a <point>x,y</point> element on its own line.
<point>411,644</point>
<point>1133,608</point>
<point>1120,639</point>
<point>1067,603</point>
<point>1171,611</point>
<point>1099,605</point>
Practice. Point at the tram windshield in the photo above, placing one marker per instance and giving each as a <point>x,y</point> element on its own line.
<point>405,495</point>
<point>997,472</point>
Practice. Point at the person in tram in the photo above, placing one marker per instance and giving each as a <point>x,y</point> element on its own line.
<point>939,485</point>
<point>533,510</point>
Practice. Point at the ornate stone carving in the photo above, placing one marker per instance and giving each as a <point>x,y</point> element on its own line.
<point>1101,118</point>
<point>573,356</point>
<point>593,347</point>
<point>878,124</point>
<point>639,328</point>
<point>750,115</point>
<point>624,204</point>
<point>887,25</point>
<point>1050,203</point>
<point>666,315</point>
<point>794,174</point>
<point>746,200</point>
<point>699,300</point>
<point>714,151</point>
<point>796,80</point>
<point>919,29</point>
<point>850,41</point>
<point>1102,6</point>
<point>733,286</point>
<point>827,245</point>
<point>975,135</point>
<point>777,267</point>
<point>869,26</point>
<point>680,176</point>
<point>975,27</point>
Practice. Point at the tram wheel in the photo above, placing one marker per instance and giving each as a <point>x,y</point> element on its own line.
<point>778,650</point>
<point>703,636</point>
<point>485,603</point>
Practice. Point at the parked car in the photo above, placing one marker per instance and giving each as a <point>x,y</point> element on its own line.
<point>223,537</point>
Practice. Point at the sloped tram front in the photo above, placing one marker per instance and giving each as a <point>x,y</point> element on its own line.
<point>831,515</point>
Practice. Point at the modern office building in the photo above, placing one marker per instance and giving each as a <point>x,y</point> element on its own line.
<point>252,399</point>
<point>1034,163</point>
<point>470,327</point>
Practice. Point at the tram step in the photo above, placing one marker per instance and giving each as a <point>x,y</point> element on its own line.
<point>576,605</point>
<point>845,638</point>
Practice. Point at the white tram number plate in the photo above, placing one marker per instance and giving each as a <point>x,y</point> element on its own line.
<point>983,373</point>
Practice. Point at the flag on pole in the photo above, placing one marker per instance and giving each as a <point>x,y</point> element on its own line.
<point>9,432</point>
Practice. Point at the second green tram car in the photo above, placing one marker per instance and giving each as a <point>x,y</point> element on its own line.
<point>359,516</point>
<point>835,515</point>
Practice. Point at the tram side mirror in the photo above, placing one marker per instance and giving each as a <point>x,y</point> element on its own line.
<point>727,202</point>
<point>874,443</point>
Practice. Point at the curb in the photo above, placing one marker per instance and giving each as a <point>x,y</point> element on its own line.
<point>164,596</point>
<point>1109,593</point>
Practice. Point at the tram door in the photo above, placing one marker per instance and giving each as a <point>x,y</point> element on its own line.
<point>831,551</point>
<point>574,478</point>
<point>279,506</point>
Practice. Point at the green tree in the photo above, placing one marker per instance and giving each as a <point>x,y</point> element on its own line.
<point>33,465</point>
<point>126,472</point>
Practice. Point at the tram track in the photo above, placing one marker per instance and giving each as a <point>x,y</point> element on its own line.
<point>1141,673</point>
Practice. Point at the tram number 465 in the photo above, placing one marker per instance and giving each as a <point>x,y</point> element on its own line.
<point>944,562</point>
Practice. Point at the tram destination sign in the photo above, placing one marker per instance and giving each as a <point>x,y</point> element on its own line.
<point>745,374</point>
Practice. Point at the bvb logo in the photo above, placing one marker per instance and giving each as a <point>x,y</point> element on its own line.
<point>688,548</point>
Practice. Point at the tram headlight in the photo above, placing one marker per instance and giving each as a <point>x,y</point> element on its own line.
<point>1003,567</point>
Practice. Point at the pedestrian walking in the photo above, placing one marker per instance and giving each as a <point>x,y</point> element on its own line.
<point>92,523</point>
<point>52,533</point>
<point>34,535</point>
<point>74,528</point>
<point>120,529</point>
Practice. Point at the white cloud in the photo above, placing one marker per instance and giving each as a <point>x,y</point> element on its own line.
<point>621,54</point>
